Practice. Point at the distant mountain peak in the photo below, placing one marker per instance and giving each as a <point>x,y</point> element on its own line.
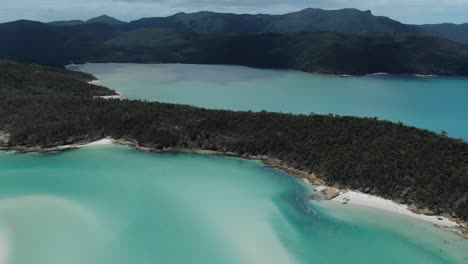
<point>106,20</point>
<point>103,17</point>
<point>343,11</point>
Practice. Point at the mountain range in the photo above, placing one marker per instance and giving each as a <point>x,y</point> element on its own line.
<point>348,21</point>
<point>345,41</point>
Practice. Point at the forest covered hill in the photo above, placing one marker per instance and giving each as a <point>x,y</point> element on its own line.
<point>347,21</point>
<point>350,21</point>
<point>322,52</point>
<point>346,41</point>
<point>49,107</point>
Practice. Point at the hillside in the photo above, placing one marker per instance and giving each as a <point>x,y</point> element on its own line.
<point>48,107</point>
<point>347,21</point>
<point>67,23</point>
<point>454,32</point>
<point>104,19</point>
<point>323,52</point>
<point>350,21</point>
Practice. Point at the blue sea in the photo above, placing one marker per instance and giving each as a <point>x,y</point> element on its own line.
<point>434,103</point>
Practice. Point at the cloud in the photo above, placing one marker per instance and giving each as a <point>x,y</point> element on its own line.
<point>409,11</point>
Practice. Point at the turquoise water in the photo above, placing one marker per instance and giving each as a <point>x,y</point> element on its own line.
<point>432,103</point>
<point>112,204</point>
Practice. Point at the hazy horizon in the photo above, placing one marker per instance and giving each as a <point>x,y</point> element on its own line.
<point>409,12</point>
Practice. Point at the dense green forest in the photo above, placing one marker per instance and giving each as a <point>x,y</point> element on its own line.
<point>48,107</point>
<point>323,52</point>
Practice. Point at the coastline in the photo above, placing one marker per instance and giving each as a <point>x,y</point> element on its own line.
<point>328,192</point>
<point>371,201</point>
<point>58,149</point>
<point>341,75</point>
<point>118,95</point>
<point>324,191</point>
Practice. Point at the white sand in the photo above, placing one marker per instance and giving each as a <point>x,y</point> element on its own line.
<point>117,96</point>
<point>104,141</point>
<point>94,82</point>
<point>361,199</point>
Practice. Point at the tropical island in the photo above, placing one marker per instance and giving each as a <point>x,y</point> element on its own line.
<point>165,163</point>
<point>42,108</point>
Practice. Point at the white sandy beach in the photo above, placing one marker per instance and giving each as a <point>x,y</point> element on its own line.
<point>94,82</point>
<point>104,141</point>
<point>101,142</point>
<point>117,96</point>
<point>375,202</point>
<point>361,199</point>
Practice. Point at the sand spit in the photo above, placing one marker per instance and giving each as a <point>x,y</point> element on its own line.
<point>58,149</point>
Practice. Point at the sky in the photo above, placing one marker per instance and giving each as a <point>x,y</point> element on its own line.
<point>407,11</point>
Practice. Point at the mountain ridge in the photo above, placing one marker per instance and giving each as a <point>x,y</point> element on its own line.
<point>347,20</point>
<point>319,52</point>
<point>350,20</point>
<point>379,44</point>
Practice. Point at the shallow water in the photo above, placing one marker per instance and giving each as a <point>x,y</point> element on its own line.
<point>112,204</point>
<point>431,103</point>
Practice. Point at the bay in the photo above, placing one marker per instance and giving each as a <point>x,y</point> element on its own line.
<point>112,204</point>
<point>434,103</point>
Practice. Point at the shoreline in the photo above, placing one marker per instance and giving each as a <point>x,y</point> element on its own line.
<point>371,201</point>
<point>118,95</point>
<point>325,191</point>
<point>341,75</point>
<point>320,186</point>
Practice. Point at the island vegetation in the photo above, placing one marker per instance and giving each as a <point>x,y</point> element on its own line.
<point>150,41</point>
<point>43,107</point>
<point>348,21</point>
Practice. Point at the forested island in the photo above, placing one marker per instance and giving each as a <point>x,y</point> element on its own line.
<point>44,107</point>
<point>345,41</point>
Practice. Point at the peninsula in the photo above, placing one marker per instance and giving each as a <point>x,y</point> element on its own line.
<point>43,108</point>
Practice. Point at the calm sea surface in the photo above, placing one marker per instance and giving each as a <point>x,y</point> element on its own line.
<point>432,103</point>
<point>114,205</point>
